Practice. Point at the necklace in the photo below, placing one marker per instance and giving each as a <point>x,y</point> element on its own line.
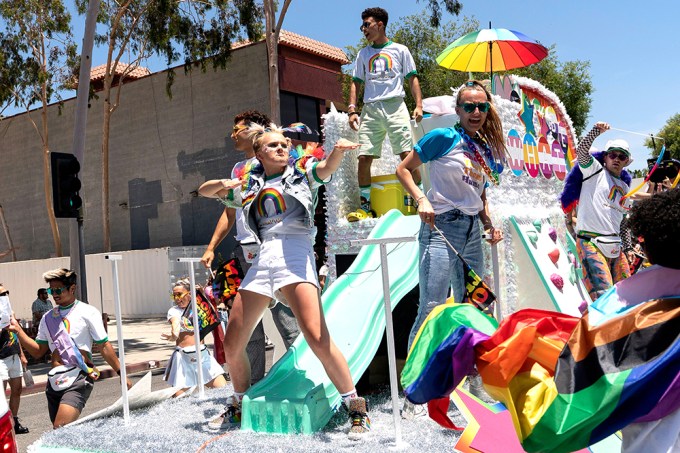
<point>492,174</point>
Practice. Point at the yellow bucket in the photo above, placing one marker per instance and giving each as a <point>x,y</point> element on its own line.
<point>388,193</point>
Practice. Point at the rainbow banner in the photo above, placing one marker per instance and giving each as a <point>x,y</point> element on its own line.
<point>567,382</point>
<point>207,314</point>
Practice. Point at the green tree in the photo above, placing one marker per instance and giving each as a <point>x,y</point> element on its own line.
<point>198,32</point>
<point>569,80</point>
<point>435,8</point>
<point>37,59</point>
<point>671,135</point>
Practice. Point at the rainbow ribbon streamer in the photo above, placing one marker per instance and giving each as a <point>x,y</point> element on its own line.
<point>649,175</point>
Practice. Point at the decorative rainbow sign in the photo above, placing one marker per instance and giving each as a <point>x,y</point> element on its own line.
<point>540,137</point>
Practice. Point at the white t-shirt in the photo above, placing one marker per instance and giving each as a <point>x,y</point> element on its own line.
<point>242,234</point>
<point>456,179</point>
<point>278,212</point>
<point>599,210</point>
<point>382,69</point>
<point>185,324</point>
<point>83,323</point>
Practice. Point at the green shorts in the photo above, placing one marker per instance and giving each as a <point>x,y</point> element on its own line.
<point>390,117</point>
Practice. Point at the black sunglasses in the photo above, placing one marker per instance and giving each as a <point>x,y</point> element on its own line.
<point>618,156</point>
<point>57,291</point>
<point>364,25</point>
<point>6,293</point>
<point>470,107</point>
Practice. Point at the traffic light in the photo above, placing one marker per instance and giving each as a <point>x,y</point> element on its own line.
<point>65,185</point>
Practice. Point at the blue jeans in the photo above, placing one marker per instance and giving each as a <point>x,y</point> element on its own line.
<point>440,268</point>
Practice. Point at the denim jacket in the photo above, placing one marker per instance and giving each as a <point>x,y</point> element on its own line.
<point>295,183</point>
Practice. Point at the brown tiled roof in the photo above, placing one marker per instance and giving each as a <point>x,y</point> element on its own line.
<point>98,72</point>
<point>290,39</point>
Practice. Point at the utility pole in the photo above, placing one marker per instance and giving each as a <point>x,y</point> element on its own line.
<point>76,240</point>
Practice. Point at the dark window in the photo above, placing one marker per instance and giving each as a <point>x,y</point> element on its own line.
<point>296,108</point>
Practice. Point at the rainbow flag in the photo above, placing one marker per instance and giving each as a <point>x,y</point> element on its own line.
<point>207,314</point>
<point>567,382</point>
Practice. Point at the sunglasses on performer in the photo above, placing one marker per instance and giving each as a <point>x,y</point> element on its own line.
<point>365,25</point>
<point>618,156</point>
<point>470,107</point>
<point>57,291</point>
<point>238,128</point>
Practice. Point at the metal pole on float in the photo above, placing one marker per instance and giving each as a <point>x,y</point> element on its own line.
<point>496,282</point>
<point>197,326</point>
<point>121,343</point>
<point>389,327</point>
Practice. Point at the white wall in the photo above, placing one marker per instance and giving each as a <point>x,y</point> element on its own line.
<point>144,280</point>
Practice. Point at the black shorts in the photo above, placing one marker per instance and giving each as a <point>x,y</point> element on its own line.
<point>75,396</point>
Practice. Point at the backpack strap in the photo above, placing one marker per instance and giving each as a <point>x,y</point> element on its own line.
<point>586,179</point>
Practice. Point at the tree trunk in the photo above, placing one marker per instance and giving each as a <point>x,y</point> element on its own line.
<point>272,40</point>
<point>47,176</point>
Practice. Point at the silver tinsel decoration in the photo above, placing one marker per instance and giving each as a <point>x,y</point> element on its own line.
<point>180,425</point>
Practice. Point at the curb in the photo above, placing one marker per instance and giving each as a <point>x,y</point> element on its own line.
<point>105,373</point>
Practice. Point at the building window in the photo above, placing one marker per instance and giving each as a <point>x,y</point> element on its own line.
<point>296,108</point>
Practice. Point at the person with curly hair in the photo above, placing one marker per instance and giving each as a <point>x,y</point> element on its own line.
<point>464,160</point>
<point>655,221</point>
<point>381,67</point>
<point>181,370</point>
<point>277,197</point>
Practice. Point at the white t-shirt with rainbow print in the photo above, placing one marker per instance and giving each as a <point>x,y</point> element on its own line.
<point>599,207</point>
<point>382,69</point>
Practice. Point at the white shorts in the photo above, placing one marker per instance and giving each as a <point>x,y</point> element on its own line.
<point>10,368</point>
<point>284,259</point>
<point>181,370</point>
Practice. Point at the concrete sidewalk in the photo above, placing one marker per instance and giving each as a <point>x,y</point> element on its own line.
<point>143,346</point>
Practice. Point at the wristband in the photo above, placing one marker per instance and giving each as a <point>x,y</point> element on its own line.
<point>351,106</point>
<point>353,113</point>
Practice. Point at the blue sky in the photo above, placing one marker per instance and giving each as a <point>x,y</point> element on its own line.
<point>632,48</point>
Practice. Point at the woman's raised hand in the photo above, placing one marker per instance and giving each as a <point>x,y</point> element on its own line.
<point>345,145</point>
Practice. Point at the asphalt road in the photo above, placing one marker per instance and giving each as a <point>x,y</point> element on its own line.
<point>33,409</point>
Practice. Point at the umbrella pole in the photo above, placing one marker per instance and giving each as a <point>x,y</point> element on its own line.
<point>491,62</point>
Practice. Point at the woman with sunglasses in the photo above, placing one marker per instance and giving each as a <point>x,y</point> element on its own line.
<point>463,161</point>
<point>181,370</point>
<point>69,331</point>
<point>600,212</point>
<point>277,198</point>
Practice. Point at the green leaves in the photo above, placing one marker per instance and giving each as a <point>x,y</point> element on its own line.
<point>671,134</point>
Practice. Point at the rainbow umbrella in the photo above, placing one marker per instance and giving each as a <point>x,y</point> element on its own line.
<point>492,49</point>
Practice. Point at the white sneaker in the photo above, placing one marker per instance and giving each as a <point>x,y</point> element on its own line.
<point>411,411</point>
<point>230,418</point>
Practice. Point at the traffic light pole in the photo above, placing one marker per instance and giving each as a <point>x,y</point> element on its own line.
<point>76,241</point>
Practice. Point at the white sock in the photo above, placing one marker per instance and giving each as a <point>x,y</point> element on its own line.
<point>349,395</point>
